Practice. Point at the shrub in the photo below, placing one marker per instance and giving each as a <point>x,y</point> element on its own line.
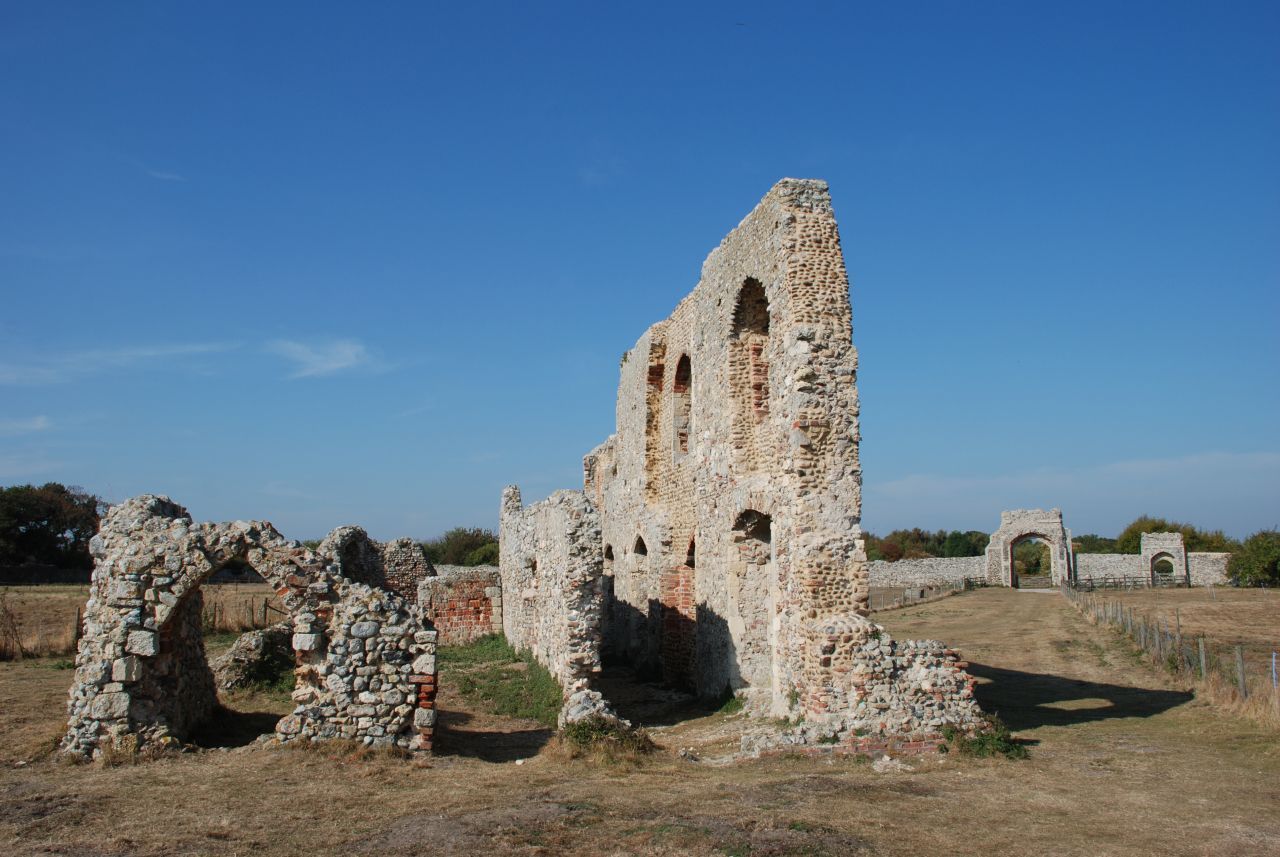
<point>605,738</point>
<point>1257,562</point>
<point>994,740</point>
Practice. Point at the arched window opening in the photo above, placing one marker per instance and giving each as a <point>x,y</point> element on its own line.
<point>752,596</point>
<point>640,549</point>
<point>691,555</point>
<point>682,405</point>
<point>749,370</point>
<point>751,314</point>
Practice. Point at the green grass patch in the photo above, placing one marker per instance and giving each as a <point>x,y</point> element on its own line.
<point>490,649</point>
<point>995,740</point>
<point>491,673</point>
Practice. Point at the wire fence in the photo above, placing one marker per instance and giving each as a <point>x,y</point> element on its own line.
<point>1244,678</point>
<point>893,597</point>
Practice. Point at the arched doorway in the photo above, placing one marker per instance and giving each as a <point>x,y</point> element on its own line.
<point>752,604</point>
<point>142,678</point>
<point>1019,525</point>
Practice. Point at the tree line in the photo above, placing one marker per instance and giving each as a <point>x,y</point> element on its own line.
<point>52,524</point>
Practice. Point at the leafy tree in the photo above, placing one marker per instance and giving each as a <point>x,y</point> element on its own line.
<point>1130,539</point>
<point>51,525</point>
<point>1031,558</point>
<point>1090,543</point>
<point>969,543</point>
<point>1257,560</point>
<point>485,555</point>
<point>462,546</point>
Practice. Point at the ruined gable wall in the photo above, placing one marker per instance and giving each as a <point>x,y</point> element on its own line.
<point>771,427</point>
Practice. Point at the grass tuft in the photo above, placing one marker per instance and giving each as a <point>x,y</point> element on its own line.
<point>606,740</point>
<point>995,740</point>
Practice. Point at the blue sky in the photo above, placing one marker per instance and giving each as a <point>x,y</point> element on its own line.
<point>323,263</point>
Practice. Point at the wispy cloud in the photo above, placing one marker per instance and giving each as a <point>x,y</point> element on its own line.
<point>13,467</point>
<point>317,359</point>
<point>1236,492</point>
<point>166,176</point>
<point>28,425</point>
<point>56,369</point>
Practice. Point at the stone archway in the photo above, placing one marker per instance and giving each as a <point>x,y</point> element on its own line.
<point>365,656</point>
<point>1164,546</point>
<point>1020,524</point>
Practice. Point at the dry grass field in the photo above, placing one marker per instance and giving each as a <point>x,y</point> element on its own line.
<point>1248,617</point>
<point>1122,763</point>
<point>44,617</point>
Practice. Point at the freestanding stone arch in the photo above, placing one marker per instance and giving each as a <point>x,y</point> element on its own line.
<point>1170,546</point>
<point>365,656</point>
<point>1019,524</point>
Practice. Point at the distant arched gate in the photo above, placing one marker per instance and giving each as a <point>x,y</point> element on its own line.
<point>1020,524</point>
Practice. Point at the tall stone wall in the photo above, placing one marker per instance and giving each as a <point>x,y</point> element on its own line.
<point>730,493</point>
<point>463,603</point>
<point>931,571</point>
<point>552,595</point>
<point>365,657</point>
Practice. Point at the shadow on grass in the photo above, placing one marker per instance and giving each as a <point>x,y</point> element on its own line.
<point>491,745</point>
<point>1028,700</point>
<point>229,728</point>
<point>648,702</point>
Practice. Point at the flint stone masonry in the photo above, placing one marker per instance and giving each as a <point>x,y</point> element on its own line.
<point>398,565</point>
<point>933,571</point>
<point>552,596</point>
<point>464,603</point>
<point>730,555</point>
<point>1018,525</point>
<point>1207,569</point>
<point>1192,569</point>
<point>142,679</point>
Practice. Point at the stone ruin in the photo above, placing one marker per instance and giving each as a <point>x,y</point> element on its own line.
<point>716,541</point>
<point>365,656</point>
<point>996,566</point>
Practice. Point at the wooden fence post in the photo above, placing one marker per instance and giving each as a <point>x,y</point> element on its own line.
<point>1244,690</point>
<point>1204,668</point>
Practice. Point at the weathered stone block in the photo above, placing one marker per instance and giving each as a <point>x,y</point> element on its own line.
<point>143,643</point>
<point>126,670</point>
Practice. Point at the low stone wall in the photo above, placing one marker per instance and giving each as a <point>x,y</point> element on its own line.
<point>932,571</point>
<point>552,590</point>
<point>1096,566</point>
<point>1207,568</point>
<point>398,566</point>
<point>365,658</point>
<point>463,603</point>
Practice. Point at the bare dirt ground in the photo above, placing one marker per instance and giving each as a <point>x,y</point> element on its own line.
<point>1121,763</point>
